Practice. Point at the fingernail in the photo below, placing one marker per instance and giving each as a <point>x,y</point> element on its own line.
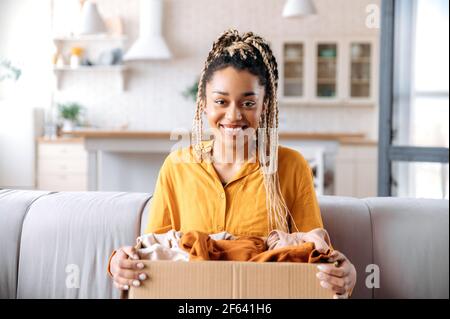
<point>321,267</point>
<point>142,276</point>
<point>135,256</point>
<point>125,287</point>
<point>320,275</point>
<point>136,283</point>
<point>323,284</point>
<point>140,265</point>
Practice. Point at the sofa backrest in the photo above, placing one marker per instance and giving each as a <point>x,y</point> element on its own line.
<point>56,245</point>
<point>410,247</point>
<point>14,205</point>
<point>65,241</point>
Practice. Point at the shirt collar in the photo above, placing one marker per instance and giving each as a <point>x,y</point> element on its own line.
<point>246,169</point>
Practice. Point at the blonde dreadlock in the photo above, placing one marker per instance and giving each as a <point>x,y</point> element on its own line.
<point>250,52</point>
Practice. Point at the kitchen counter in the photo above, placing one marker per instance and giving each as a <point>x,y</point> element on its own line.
<point>343,138</point>
<point>123,159</point>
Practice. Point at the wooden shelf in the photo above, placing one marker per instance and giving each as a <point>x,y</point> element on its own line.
<point>326,81</point>
<point>326,59</point>
<point>293,80</point>
<point>361,60</point>
<point>293,60</point>
<point>360,82</point>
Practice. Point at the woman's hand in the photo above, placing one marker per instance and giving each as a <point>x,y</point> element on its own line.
<point>319,237</point>
<point>340,279</point>
<point>127,272</point>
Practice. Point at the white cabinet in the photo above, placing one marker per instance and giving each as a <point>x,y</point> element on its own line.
<point>62,165</point>
<point>356,171</point>
<point>360,73</point>
<point>293,69</point>
<point>329,71</point>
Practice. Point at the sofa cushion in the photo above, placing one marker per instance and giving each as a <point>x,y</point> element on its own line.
<point>14,205</point>
<point>67,239</point>
<point>410,247</point>
<point>347,220</point>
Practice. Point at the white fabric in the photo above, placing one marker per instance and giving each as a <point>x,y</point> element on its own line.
<point>166,246</point>
<point>161,246</point>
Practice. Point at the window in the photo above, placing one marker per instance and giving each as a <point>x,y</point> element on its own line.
<point>414,99</point>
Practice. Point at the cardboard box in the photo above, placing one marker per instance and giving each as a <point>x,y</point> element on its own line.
<point>229,280</point>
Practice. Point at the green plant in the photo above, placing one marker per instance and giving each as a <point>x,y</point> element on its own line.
<point>8,71</point>
<point>191,91</point>
<point>70,111</point>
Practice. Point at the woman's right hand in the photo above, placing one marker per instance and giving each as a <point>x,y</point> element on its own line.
<point>126,268</point>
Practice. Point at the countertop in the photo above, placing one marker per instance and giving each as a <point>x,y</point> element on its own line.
<point>79,135</point>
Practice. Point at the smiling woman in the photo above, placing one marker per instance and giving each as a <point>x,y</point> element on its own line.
<point>240,181</point>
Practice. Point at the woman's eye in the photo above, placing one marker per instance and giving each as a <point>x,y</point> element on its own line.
<point>220,102</point>
<point>249,104</point>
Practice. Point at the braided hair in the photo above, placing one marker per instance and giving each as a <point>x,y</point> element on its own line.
<point>251,53</point>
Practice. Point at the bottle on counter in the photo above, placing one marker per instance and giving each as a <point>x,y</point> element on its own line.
<point>76,54</point>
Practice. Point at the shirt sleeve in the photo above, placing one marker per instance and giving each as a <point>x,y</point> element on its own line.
<point>163,206</point>
<point>306,211</point>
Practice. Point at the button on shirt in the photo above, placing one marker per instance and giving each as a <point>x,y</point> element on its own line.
<point>189,195</point>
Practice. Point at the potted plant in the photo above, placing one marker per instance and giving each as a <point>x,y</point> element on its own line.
<point>69,112</point>
<point>191,91</point>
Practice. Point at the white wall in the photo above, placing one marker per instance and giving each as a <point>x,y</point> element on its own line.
<point>153,100</point>
<point>24,39</point>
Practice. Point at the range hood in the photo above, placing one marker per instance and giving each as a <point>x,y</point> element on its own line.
<point>150,44</point>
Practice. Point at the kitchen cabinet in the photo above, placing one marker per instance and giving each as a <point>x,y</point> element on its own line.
<point>327,71</point>
<point>61,165</point>
<point>294,70</point>
<point>102,51</point>
<point>356,170</point>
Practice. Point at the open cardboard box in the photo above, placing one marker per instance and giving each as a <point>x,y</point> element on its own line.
<point>229,280</point>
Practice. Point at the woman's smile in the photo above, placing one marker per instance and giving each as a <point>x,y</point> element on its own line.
<point>230,129</point>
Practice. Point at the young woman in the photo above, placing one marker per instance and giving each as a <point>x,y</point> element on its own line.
<point>240,181</point>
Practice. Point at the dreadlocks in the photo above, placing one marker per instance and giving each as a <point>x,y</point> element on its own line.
<point>251,53</point>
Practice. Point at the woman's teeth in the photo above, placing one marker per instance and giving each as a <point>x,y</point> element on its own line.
<point>232,130</point>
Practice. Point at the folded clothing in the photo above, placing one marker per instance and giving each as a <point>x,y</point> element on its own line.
<point>319,236</point>
<point>166,246</point>
<point>201,246</point>
<point>250,248</point>
<point>309,247</point>
<point>161,246</point>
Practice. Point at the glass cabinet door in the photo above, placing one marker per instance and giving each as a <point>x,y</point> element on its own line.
<point>360,70</point>
<point>293,56</point>
<point>326,70</point>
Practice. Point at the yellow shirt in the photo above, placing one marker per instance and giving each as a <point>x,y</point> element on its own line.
<point>190,196</point>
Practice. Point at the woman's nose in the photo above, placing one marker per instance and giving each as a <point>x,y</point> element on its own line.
<point>233,113</point>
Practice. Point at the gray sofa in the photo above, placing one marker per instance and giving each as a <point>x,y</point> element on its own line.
<point>56,245</point>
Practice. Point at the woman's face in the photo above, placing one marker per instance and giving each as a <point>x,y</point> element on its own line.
<point>234,103</point>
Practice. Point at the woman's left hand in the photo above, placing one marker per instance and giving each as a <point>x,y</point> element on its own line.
<point>340,279</point>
